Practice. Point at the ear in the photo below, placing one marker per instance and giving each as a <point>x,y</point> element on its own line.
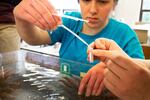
<point>114,6</point>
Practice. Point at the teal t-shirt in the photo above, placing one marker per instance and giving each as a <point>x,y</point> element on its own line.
<point>73,49</point>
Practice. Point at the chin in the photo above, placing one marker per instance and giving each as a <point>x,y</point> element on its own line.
<point>91,25</point>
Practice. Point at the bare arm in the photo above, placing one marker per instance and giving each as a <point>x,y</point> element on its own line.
<point>148,63</point>
<point>33,18</point>
<point>31,33</point>
<point>145,62</point>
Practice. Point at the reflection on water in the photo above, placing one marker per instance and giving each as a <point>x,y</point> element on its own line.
<point>9,83</point>
<point>39,83</point>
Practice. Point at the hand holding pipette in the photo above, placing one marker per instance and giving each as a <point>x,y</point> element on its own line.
<point>41,14</point>
<point>38,13</point>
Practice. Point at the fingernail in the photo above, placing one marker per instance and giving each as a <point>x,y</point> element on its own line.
<point>93,93</point>
<point>87,94</point>
<point>97,94</point>
<point>79,93</point>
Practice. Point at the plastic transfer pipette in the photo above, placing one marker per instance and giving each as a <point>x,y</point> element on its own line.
<point>74,34</point>
<point>70,17</point>
<point>91,58</point>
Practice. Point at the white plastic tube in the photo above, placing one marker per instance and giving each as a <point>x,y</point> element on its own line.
<point>91,57</point>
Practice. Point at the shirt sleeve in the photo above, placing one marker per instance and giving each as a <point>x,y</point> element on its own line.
<point>56,35</point>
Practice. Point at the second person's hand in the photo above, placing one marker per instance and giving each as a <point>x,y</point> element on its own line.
<point>92,82</point>
<point>124,76</point>
<point>103,44</point>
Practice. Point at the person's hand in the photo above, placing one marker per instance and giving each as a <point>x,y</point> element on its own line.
<point>127,78</point>
<point>37,12</point>
<point>92,82</point>
<point>103,44</point>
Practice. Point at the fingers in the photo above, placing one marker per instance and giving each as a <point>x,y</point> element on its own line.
<point>38,12</point>
<point>100,44</point>
<point>52,10</point>
<point>101,54</point>
<point>96,86</point>
<point>97,44</point>
<point>43,13</point>
<point>110,50</point>
<point>100,89</point>
<point>120,58</point>
<point>104,44</point>
<point>31,19</point>
<point>83,83</point>
<point>33,16</point>
<point>42,9</point>
<point>90,84</point>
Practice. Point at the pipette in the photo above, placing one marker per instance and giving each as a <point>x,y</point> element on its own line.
<point>91,58</point>
<point>70,17</point>
<point>77,19</point>
<point>74,34</point>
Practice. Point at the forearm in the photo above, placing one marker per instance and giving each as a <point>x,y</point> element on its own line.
<point>147,62</point>
<point>32,34</point>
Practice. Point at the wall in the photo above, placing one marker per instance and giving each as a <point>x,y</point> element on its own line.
<point>65,4</point>
<point>128,10</point>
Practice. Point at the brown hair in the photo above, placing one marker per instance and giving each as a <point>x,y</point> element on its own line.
<point>114,0</point>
